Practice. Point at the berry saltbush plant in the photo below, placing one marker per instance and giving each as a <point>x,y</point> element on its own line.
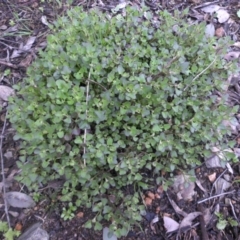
<point>113,97</point>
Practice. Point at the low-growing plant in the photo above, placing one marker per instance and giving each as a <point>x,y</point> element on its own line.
<point>111,99</point>
<point>8,233</point>
<point>223,222</point>
<point>68,212</point>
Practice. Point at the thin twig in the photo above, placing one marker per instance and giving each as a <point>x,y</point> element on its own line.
<point>205,4</point>
<point>3,175</point>
<point>89,80</point>
<point>85,130</point>
<point>175,206</point>
<point>217,180</point>
<point>154,77</point>
<point>202,223</point>
<point>204,70</point>
<point>9,64</point>
<point>234,214</point>
<point>215,196</point>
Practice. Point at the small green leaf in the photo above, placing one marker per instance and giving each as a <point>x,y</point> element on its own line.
<point>138,177</point>
<point>88,224</point>
<point>221,225</point>
<point>120,69</point>
<point>98,226</point>
<point>156,128</point>
<point>11,234</point>
<point>60,134</point>
<point>3,226</point>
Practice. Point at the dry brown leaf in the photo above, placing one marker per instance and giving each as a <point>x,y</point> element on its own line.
<point>215,149</point>
<point>14,214</point>
<point>207,216</point>
<point>12,29</point>
<point>210,30</point>
<point>23,48</point>
<point>213,161</point>
<point>155,220</point>
<point>151,195</point>
<point>210,8</point>
<point>26,61</point>
<point>177,209</point>
<point>236,44</point>
<point>3,27</point>
<point>44,20</point>
<point>170,224</point>
<point>28,44</point>
<point>187,221</point>
<point>229,168</point>
<point>200,185</point>
<point>195,14</point>
<point>212,177</point>
<point>232,125</point>
<point>221,185</point>
<point>227,177</point>
<point>232,56</point>
<point>5,92</point>
<point>8,155</point>
<point>237,151</point>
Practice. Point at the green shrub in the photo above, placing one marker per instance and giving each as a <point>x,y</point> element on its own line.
<point>8,233</point>
<point>112,98</point>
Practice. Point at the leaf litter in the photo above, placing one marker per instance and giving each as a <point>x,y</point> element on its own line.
<point>23,48</point>
<point>184,187</point>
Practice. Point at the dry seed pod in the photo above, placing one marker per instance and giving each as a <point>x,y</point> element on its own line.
<point>151,195</point>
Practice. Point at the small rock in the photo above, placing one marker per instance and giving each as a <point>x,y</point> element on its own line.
<point>106,235</point>
<point>34,233</point>
<point>19,200</point>
<point>5,92</point>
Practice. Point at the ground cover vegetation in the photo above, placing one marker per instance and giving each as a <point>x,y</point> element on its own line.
<point>112,99</point>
